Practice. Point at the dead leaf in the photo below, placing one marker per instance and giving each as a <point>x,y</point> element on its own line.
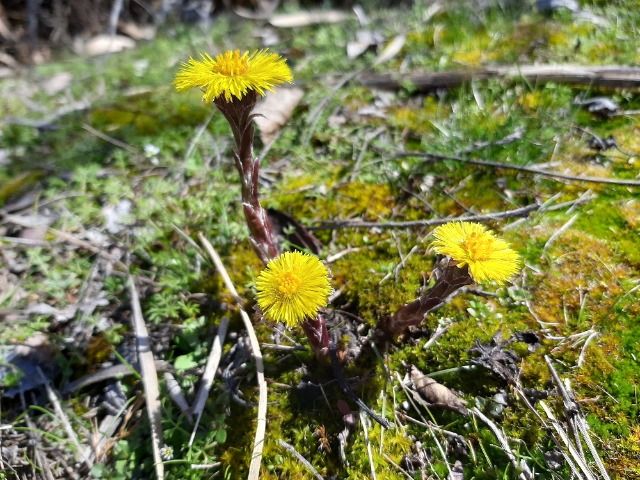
<point>137,32</point>
<point>57,83</point>
<point>102,44</point>
<point>274,110</point>
<point>310,17</point>
<point>435,393</point>
<point>494,357</point>
<point>391,50</point>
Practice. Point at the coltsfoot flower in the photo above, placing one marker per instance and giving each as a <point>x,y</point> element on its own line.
<point>292,287</point>
<point>232,74</point>
<point>488,257</point>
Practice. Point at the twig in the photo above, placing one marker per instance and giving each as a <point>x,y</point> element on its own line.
<point>149,379</point>
<point>342,253</point>
<point>314,115</point>
<point>55,401</point>
<point>194,140</point>
<point>517,212</point>
<point>363,150</point>
<point>209,374</point>
<point>559,232</point>
<point>398,467</point>
<point>300,458</point>
<point>410,395</point>
<point>440,331</point>
<point>258,444</point>
<point>400,265</point>
<point>525,473</point>
<point>365,432</point>
<point>574,413</point>
<point>611,76</point>
<point>433,156</point>
<point>111,140</point>
<point>574,454</point>
<point>35,441</point>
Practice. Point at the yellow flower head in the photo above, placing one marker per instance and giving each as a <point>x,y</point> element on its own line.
<point>233,74</point>
<point>292,287</point>
<point>488,257</point>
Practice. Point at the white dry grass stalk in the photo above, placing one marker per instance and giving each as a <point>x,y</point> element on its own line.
<point>149,379</point>
<point>578,424</point>
<point>258,444</point>
<point>568,444</point>
<point>410,394</point>
<point>398,467</point>
<point>209,374</point>
<point>55,401</point>
<point>525,472</point>
<point>175,394</point>
<point>301,459</point>
<point>40,459</point>
<point>559,232</point>
<point>365,432</point>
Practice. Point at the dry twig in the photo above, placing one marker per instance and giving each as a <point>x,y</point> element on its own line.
<point>517,212</point>
<point>55,401</point>
<point>525,472</point>
<point>209,374</point>
<point>149,379</point>
<point>611,76</point>
<point>433,156</point>
<point>301,459</point>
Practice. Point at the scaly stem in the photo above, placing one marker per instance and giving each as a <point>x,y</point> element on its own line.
<point>412,313</point>
<point>238,113</point>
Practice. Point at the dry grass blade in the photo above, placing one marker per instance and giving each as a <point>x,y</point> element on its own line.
<point>577,420</point>
<point>55,401</point>
<point>175,394</point>
<point>149,379</point>
<point>301,459</point>
<point>525,472</point>
<point>209,374</point>
<point>258,444</point>
<point>411,396</point>
<point>365,432</point>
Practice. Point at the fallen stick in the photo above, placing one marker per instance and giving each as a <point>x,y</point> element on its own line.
<point>610,76</point>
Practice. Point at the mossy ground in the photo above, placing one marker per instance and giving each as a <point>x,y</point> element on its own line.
<point>584,280</point>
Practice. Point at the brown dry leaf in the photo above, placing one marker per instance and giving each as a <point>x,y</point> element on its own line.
<point>435,393</point>
<point>274,110</point>
<point>310,17</point>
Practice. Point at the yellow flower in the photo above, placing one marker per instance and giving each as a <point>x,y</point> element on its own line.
<point>233,74</point>
<point>488,257</point>
<point>292,287</point>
